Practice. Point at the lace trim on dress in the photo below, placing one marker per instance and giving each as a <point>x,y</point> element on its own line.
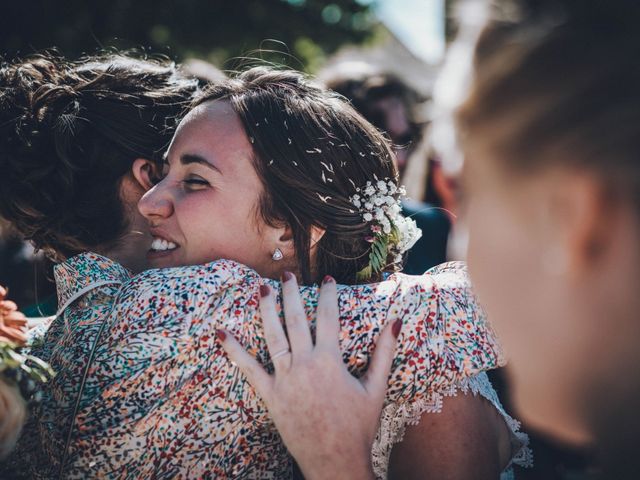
<point>395,418</point>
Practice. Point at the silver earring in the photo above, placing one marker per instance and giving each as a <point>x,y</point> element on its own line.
<point>277,255</point>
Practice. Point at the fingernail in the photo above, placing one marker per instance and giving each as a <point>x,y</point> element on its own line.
<point>328,279</point>
<point>395,329</point>
<point>221,335</point>
<point>264,291</point>
<point>286,276</point>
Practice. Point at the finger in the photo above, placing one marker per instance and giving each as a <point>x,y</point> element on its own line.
<point>277,342</point>
<point>327,317</point>
<point>13,335</point>
<point>295,316</point>
<point>256,375</point>
<point>15,319</point>
<point>3,292</point>
<point>377,377</point>
<point>8,306</point>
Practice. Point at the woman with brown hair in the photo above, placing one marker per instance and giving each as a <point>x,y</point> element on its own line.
<point>154,393</point>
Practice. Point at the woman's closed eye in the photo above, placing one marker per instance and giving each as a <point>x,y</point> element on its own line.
<point>195,183</point>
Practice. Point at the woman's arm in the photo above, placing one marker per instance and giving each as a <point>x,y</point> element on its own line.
<point>327,418</point>
<point>467,439</point>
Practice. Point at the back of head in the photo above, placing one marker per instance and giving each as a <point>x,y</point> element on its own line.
<point>69,132</point>
<point>313,152</point>
<point>556,83</point>
<point>366,88</point>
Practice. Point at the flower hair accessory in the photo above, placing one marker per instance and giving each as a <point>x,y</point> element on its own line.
<point>392,233</point>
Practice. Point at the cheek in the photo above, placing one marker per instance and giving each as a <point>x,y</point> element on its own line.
<point>500,255</point>
<point>217,226</point>
<point>521,299</point>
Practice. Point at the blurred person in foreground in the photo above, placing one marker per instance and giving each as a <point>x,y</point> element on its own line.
<point>549,128</point>
<point>552,178</point>
<point>395,108</point>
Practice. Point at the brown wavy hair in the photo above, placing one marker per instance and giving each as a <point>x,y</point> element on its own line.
<point>69,132</point>
<point>312,150</point>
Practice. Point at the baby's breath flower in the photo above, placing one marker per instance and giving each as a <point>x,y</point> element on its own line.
<point>380,204</point>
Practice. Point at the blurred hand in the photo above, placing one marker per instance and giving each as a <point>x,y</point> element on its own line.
<point>13,324</point>
<point>327,418</point>
<point>13,414</point>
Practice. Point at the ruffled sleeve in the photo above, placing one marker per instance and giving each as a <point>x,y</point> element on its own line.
<point>445,336</point>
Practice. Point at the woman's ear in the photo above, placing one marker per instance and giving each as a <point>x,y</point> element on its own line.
<point>316,235</point>
<point>144,172</point>
<point>285,242</point>
<point>585,217</point>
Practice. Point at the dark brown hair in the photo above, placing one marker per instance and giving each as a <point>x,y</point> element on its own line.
<point>364,89</point>
<point>557,82</point>
<point>69,132</point>
<point>312,151</point>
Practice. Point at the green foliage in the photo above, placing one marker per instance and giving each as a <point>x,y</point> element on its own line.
<point>377,257</point>
<point>295,32</point>
<point>380,250</point>
<point>17,365</point>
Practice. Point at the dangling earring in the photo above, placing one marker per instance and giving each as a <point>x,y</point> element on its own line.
<point>277,255</point>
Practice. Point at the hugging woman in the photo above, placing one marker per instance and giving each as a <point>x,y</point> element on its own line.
<point>267,174</point>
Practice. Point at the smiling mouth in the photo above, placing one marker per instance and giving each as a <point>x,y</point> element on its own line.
<point>162,245</point>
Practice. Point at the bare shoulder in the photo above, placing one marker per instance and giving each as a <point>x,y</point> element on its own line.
<point>467,439</point>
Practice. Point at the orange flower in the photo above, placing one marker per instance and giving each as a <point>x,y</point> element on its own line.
<point>13,324</point>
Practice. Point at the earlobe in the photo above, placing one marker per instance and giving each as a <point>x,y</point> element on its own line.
<point>283,244</point>
<point>143,171</point>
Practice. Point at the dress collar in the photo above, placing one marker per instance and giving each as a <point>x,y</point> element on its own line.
<point>84,272</point>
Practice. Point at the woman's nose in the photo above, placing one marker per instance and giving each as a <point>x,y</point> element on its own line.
<point>156,203</point>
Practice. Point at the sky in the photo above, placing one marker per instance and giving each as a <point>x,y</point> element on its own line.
<point>419,24</point>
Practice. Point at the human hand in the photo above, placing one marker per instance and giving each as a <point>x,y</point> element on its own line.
<point>13,323</point>
<point>327,418</point>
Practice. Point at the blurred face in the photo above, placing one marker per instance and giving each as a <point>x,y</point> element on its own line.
<point>395,121</point>
<point>518,268</point>
<point>206,207</point>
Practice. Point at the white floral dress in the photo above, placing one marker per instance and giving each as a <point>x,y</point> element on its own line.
<point>144,389</point>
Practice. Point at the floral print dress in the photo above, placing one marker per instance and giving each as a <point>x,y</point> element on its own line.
<point>144,389</point>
